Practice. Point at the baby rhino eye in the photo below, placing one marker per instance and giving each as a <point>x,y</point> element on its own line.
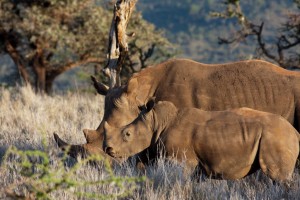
<point>126,135</point>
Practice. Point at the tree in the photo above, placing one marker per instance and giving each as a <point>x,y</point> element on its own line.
<point>45,38</point>
<point>140,49</point>
<point>284,50</point>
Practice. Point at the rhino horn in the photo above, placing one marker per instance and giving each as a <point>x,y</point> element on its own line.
<point>91,135</point>
<point>73,150</point>
<point>106,126</point>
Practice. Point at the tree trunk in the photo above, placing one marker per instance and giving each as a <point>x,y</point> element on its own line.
<point>117,45</point>
<point>40,79</point>
<point>49,85</point>
<point>39,67</point>
<point>18,61</point>
<point>15,56</point>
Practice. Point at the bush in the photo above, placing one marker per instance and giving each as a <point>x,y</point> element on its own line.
<point>36,175</point>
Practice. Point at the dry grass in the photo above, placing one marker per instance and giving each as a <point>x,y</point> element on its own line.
<point>26,119</point>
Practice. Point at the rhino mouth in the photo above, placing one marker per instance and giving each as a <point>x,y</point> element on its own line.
<point>113,153</point>
<point>117,156</point>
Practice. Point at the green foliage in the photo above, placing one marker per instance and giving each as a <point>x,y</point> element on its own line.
<point>65,34</point>
<point>67,29</point>
<point>39,178</point>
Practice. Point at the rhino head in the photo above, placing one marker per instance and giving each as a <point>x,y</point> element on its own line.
<point>123,142</point>
<point>122,105</point>
<point>144,131</point>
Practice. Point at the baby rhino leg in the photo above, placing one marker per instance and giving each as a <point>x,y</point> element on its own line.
<point>278,154</point>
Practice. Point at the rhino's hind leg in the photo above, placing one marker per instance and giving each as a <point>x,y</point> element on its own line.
<point>278,155</point>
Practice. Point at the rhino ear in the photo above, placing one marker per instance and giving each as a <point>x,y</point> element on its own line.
<point>106,126</point>
<point>150,104</point>
<point>132,86</point>
<point>100,87</point>
<point>91,135</point>
<point>138,89</point>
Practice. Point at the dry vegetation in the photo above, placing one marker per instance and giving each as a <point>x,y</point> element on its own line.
<point>28,121</point>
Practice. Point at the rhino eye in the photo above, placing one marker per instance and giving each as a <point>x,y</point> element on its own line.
<point>126,136</point>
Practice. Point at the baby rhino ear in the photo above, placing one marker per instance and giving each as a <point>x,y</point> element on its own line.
<point>106,126</point>
<point>150,104</point>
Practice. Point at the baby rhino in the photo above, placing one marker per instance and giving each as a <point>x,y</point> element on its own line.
<point>226,144</point>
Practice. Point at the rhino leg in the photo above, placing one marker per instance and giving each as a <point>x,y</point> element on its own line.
<point>278,155</point>
<point>73,150</point>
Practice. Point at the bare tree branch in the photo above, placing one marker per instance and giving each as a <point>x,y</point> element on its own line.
<point>287,40</point>
<point>14,54</point>
<point>261,44</point>
<point>71,65</point>
<point>118,47</point>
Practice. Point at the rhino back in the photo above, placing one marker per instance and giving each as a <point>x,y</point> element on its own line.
<point>225,142</point>
<point>255,84</point>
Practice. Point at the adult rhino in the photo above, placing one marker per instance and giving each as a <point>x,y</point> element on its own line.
<point>227,144</point>
<point>255,84</point>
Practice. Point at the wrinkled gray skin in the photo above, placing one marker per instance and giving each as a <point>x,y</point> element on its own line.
<point>226,144</point>
<point>255,84</point>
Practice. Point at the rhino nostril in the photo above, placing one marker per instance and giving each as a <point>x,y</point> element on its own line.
<point>109,150</point>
